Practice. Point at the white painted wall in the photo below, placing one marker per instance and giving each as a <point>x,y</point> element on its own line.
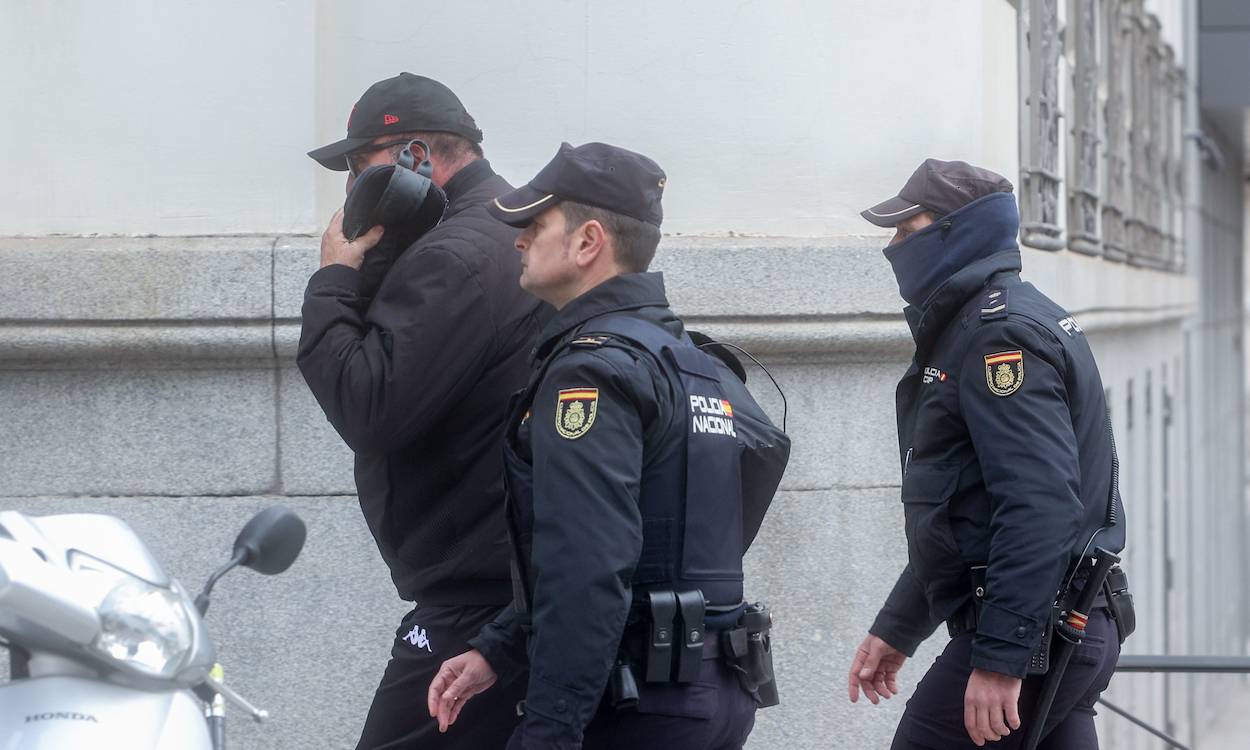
<point>781,118</point>
<point>154,116</point>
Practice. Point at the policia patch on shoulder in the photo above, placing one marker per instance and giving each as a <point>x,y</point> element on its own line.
<point>575,411</point>
<point>1004,372</point>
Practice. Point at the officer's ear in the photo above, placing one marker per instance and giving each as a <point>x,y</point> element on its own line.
<point>590,242</point>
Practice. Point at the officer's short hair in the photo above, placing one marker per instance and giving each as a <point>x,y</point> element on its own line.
<point>635,241</point>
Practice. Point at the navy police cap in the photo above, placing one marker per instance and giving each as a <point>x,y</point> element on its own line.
<point>596,174</point>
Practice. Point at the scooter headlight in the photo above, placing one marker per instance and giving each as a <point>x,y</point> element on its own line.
<point>144,627</point>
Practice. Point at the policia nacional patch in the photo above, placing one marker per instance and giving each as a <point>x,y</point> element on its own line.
<point>1004,372</point>
<point>575,411</point>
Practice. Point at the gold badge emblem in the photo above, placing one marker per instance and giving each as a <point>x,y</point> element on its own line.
<point>1004,372</point>
<point>575,411</point>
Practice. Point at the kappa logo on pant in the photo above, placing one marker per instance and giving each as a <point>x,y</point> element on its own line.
<point>417,637</point>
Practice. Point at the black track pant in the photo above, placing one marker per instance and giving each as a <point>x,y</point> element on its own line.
<point>398,719</point>
<point>934,719</point>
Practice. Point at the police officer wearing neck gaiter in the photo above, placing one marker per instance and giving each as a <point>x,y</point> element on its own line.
<point>1007,472</point>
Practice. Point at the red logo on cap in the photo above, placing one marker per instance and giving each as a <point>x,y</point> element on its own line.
<point>389,119</point>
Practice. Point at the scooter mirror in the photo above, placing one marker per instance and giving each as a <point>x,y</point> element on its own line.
<point>271,541</point>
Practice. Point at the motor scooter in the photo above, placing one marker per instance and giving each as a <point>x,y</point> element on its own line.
<point>106,650</point>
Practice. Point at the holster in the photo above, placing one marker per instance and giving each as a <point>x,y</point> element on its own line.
<point>1120,603</point>
<point>747,649</point>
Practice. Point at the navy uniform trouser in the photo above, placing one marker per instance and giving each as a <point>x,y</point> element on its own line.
<point>712,713</point>
<point>934,719</point>
<point>398,719</point>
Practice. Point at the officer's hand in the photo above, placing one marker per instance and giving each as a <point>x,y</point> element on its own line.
<point>336,248</point>
<point>875,670</point>
<point>459,679</point>
<point>991,706</point>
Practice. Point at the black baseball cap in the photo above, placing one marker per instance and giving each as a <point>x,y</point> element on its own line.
<point>596,174</point>
<point>401,104</point>
<point>938,187</point>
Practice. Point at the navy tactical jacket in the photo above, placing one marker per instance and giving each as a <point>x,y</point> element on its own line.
<point>581,444</point>
<point>1004,444</point>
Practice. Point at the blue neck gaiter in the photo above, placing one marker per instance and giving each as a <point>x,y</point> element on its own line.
<point>925,260</point>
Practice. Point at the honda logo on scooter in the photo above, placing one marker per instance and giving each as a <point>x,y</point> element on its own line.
<point>61,715</point>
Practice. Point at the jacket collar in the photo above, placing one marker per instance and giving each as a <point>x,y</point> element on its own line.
<point>628,291</point>
<point>462,185</point>
<point>947,300</point>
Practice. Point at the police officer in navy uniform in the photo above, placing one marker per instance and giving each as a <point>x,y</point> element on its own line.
<point>624,486</point>
<point>1007,458</point>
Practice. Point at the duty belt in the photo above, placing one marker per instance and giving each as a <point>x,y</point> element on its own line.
<point>675,632</point>
<point>1113,597</point>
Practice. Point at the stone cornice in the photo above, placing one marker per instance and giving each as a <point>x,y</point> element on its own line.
<point>82,302</point>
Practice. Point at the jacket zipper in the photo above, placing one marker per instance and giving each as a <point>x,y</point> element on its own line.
<point>907,461</point>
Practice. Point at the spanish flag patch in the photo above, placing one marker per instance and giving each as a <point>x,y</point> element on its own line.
<point>1004,372</point>
<point>575,411</point>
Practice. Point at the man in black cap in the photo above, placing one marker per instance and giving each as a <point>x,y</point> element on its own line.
<point>625,491</point>
<point>411,351</point>
<point>1008,479</point>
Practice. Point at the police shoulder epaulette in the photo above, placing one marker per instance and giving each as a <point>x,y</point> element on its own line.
<point>994,306</point>
<point>589,342</point>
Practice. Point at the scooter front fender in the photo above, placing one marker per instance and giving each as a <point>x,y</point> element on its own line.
<point>55,713</point>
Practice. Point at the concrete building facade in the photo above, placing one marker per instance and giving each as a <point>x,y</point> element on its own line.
<point>166,220</point>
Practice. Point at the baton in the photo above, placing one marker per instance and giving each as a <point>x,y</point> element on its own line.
<point>1071,631</point>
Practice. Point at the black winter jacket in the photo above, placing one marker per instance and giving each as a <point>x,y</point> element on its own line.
<point>1003,440</point>
<point>416,380</point>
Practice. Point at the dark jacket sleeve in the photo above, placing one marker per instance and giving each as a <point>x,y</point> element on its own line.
<point>905,621</point>
<point>586,541</point>
<point>1027,451</point>
<point>502,643</point>
<point>384,370</point>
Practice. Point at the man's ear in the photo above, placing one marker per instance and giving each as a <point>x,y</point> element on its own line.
<point>590,242</point>
<point>420,154</point>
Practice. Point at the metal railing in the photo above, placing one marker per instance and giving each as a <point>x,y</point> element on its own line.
<point>1148,663</point>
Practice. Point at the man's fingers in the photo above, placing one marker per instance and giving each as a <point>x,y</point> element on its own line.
<point>852,678</point>
<point>335,227</point>
<point>997,723</point>
<point>891,682</point>
<point>446,706</point>
<point>983,724</point>
<point>980,724</point>
<point>435,693</point>
<point>868,666</point>
<point>970,720</point>
<point>444,711</point>
<point>371,237</point>
<point>465,687</point>
<point>1013,713</point>
<point>455,710</point>
<point>867,663</point>
<point>879,684</point>
<point>852,688</point>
